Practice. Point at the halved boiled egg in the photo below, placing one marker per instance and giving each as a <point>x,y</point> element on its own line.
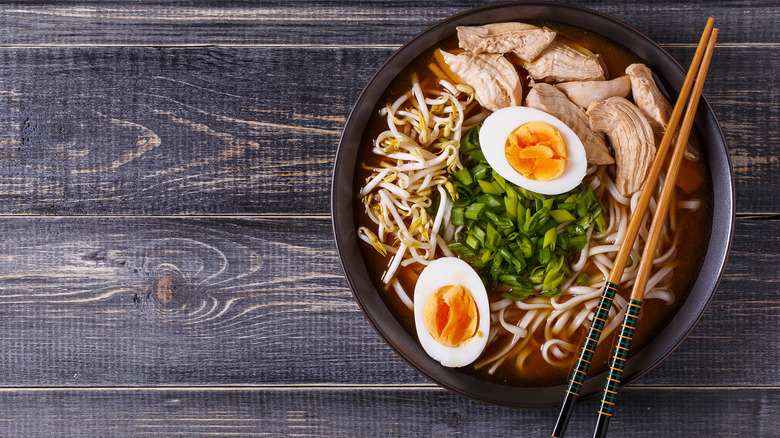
<point>533,149</point>
<point>451,312</point>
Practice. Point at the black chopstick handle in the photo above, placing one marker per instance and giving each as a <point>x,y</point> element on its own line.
<point>616,366</point>
<point>567,407</point>
<point>601,427</point>
<point>586,355</point>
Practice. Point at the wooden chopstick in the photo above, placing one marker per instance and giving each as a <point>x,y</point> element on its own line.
<point>610,287</point>
<point>620,355</point>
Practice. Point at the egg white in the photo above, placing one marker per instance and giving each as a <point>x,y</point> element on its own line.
<point>448,271</point>
<point>495,131</point>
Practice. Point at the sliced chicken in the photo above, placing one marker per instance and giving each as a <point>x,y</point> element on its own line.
<point>547,98</point>
<point>584,92</point>
<point>649,98</point>
<point>562,63</point>
<point>653,104</point>
<point>524,40</point>
<point>494,79</point>
<point>631,137</point>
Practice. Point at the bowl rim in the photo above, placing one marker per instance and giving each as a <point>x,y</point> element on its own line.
<point>370,301</point>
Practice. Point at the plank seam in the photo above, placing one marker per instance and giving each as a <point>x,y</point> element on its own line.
<point>318,216</point>
<point>309,46</point>
<point>336,387</point>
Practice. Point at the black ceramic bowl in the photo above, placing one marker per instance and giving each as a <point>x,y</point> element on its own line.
<point>344,202</point>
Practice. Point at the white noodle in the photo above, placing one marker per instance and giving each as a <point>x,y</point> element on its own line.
<point>660,294</point>
<point>658,276</point>
<point>500,304</point>
<point>402,294</point>
<point>693,204</point>
<point>583,260</point>
<point>666,258</point>
<point>615,194</point>
<point>515,330</point>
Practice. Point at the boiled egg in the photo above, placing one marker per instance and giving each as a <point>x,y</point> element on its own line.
<point>451,312</point>
<point>533,149</point>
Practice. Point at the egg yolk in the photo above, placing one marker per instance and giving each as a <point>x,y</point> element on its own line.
<point>537,151</point>
<point>451,315</point>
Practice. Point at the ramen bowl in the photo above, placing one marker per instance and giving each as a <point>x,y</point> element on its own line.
<point>345,203</point>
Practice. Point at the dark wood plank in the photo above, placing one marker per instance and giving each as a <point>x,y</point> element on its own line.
<point>251,131</point>
<point>129,131</point>
<point>202,301</point>
<point>342,23</point>
<point>373,412</point>
<point>734,102</point>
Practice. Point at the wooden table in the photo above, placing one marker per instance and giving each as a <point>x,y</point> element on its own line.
<point>167,264</point>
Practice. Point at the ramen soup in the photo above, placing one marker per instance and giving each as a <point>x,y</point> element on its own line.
<point>514,154</point>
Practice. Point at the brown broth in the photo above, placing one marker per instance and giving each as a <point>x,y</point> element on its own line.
<point>655,313</point>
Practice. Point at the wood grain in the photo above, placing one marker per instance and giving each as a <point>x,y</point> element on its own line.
<point>166,131</point>
<point>345,23</point>
<point>371,412</point>
<point>183,278</point>
<point>200,301</point>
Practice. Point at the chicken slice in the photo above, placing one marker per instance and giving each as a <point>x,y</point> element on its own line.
<point>631,137</point>
<point>562,63</point>
<point>584,92</point>
<point>649,98</point>
<point>524,40</point>
<point>494,79</point>
<point>653,104</point>
<point>549,99</point>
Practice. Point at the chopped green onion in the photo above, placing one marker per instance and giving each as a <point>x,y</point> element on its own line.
<point>514,236</point>
<point>500,181</point>
<point>526,247</point>
<point>472,241</point>
<point>492,217</point>
<point>552,293</point>
<point>537,275</point>
<point>488,187</point>
<point>510,204</point>
<point>582,280</point>
<point>544,255</point>
<point>581,209</point>
<point>461,249</point>
<point>491,201</point>
<point>478,155</point>
<point>576,243</point>
<point>562,216</point>
<point>492,239</point>
<point>601,223</point>
<point>457,216</point>
<point>463,176</point>
<point>550,237</point>
<point>480,171</point>
<point>470,141</point>
<point>474,210</point>
<point>477,232</point>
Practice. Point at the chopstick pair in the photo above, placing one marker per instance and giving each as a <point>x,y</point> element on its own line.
<point>620,354</point>
<point>697,70</point>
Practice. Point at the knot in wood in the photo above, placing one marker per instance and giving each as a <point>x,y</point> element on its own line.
<point>171,286</point>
